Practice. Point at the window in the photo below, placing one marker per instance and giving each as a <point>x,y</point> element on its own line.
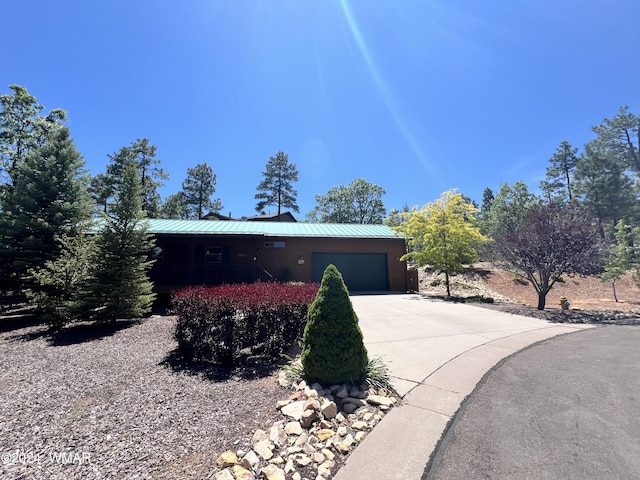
<point>213,255</point>
<point>274,244</point>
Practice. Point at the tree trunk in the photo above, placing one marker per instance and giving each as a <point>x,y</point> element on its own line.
<point>542,300</point>
<point>446,281</point>
<point>615,293</point>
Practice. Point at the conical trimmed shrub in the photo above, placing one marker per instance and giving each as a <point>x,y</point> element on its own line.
<point>334,350</point>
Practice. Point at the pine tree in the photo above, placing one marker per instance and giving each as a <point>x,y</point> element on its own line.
<point>61,281</point>
<point>334,350</point>
<point>120,286</point>
<point>604,187</point>
<point>22,129</point>
<point>198,187</point>
<point>101,190</point>
<point>620,136</point>
<point>276,187</point>
<point>622,255</point>
<point>151,176</point>
<point>175,207</point>
<point>48,198</point>
<point>559,180</point>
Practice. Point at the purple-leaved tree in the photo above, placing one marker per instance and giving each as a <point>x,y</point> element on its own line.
<point>556,239</point>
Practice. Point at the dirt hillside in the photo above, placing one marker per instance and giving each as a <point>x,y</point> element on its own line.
<point>583,293</point>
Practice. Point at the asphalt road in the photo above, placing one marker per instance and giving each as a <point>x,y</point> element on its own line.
<point>566,408</point>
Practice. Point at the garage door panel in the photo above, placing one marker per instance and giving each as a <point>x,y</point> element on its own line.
<point>361,271</point>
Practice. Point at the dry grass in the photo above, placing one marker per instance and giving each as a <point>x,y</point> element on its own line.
<point>584,293</point>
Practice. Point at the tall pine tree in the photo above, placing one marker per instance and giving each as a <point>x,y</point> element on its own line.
<point>151,176</point>
<point>558,183</point>
<point>276,187</point>
<point>198,187</point>
<point>604,187</point>
<point>22,128</point>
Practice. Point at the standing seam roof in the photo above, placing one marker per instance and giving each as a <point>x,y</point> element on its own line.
<point>269,229</point>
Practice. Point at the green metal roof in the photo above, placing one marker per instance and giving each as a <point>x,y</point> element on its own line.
<point>269,229</point>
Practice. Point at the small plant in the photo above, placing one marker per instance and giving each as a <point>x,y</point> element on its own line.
<point>293,369</point>
<point>378,376</point>
<point>436,283</point>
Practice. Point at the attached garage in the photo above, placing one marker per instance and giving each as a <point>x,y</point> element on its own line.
<point>362,272</point>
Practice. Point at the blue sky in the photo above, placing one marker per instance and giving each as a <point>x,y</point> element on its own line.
<point>418,97</point>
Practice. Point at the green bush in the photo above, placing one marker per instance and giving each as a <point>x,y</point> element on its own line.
<point>334,350</point>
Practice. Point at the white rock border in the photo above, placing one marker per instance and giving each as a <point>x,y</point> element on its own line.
<point>319,429</point>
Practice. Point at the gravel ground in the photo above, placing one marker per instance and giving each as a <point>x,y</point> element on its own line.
<point>111,402</point>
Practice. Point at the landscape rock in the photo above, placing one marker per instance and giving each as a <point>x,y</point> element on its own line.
<point>308,417</point>
<point>325,467</point>
<point>240,473</point>
<point>277,435</point>
<point>325,433</point>
<point>264,449</point>
<point>329,410</point>
<point>227,459</point>
<point>312,404</point>
<point>349,408</point>
<point>272,472</point>
<point>258,436</point>
<point>359,425</point>
<point>250,460</point>
<point>315,434</point>
<point>294,409</point>
<point>293,428</point>
<point>224,475</point>
<point>302,460</point>
<point>379,400</point>
<point>342,392</point>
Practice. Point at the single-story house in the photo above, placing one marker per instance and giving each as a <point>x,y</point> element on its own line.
<point>211,252</point>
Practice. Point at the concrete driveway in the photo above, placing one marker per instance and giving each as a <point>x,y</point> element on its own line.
<point>436,352</point>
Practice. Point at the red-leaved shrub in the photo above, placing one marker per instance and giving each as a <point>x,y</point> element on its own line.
<point>229,323</point>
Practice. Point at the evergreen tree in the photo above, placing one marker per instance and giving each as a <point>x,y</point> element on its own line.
<point>151,176</point>
<point>22,129</point>
<point>509,208</point>
<point>198,187</point>
<point>120,285</point>
<point>485,210</point>
<point>334,350</point>
<point>60,282</point>
<point>397,217</point>
<point>622,255</point>
<point>48,198</point>
<point>175,207</point>
<point>620,136</point>
<point>604,187</point>
<point>487,201</point>
<point>101,190</point>
<point>559,180</point>
<point>276,187</point>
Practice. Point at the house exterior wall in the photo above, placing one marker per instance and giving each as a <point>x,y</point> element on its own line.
<point>285,258</point>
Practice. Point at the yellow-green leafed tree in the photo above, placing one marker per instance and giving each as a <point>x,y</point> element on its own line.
<point>443,234</point>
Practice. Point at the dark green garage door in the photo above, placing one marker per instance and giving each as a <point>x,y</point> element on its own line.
<point>362,272</point>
